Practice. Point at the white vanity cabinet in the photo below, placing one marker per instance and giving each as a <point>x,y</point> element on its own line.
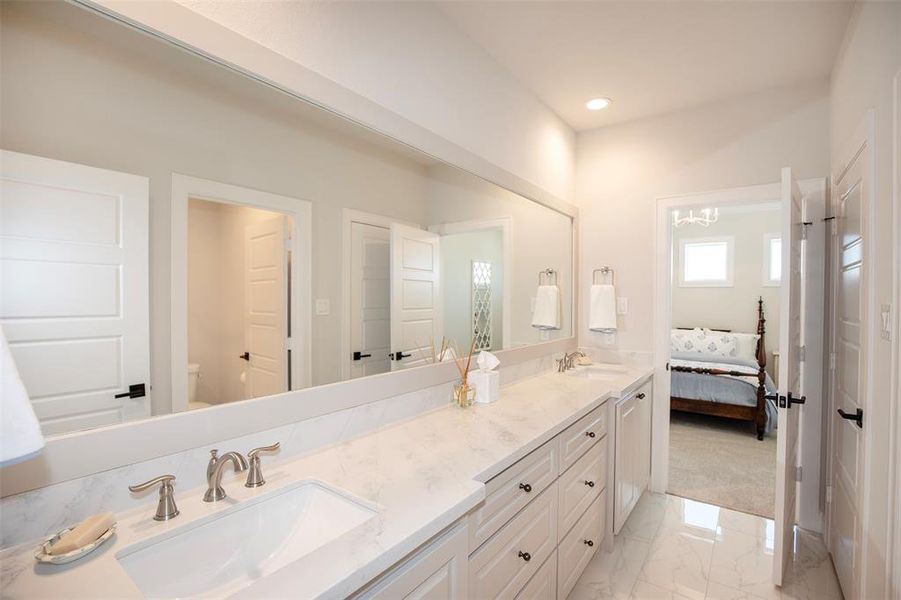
<point>632,461</point>
<point>438,572</point>
<point>542,520</point>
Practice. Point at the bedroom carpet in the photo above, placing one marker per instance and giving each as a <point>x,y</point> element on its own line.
<point>720,461</point>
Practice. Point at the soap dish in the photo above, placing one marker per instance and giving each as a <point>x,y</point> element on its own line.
<point>42,555</point>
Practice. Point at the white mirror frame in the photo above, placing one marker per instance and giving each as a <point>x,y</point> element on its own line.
<point>83,453</point>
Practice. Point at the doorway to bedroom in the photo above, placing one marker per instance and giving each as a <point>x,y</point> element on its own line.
<point>725,295</point>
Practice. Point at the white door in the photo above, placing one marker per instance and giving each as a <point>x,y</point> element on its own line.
<point>848,380</point>
<point>370,300</point>
<point>790,381</point>
<point>74,289</point>
<point>415,295</point>
<point>266,308</point>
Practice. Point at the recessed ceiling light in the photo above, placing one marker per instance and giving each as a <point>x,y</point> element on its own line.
<point>597,103</point>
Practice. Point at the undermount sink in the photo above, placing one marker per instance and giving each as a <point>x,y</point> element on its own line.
<point>597,371</point>
<point>229,551</point>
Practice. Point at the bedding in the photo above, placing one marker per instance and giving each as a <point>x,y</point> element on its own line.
<point>725,389</point>
<point>703,341</point>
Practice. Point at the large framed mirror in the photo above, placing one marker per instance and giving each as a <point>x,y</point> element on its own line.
<point>177,236</point>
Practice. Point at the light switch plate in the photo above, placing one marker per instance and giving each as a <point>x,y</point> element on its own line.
<point>544,335</point>
<point>622,305</point>
<point>323,307</point>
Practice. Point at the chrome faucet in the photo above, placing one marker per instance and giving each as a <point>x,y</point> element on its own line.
<point>569,360</point>
<point>214,470</point>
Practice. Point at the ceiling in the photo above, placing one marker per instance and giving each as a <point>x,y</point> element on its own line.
<point>652,58</point>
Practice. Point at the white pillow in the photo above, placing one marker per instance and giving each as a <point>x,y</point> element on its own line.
<point>746,345</point>
<point>703,341</point>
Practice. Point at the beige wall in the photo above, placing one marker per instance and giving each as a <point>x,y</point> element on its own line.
<point>621,170</point>
<point>216,255</point>
<point>733,307</point>
<point>862,79</point>
<point>542,238</point>
<point>149,109</point>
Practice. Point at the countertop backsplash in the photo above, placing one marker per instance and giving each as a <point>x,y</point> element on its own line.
<point>40,512</point>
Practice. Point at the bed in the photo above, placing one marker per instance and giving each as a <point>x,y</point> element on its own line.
<point>721,373</point>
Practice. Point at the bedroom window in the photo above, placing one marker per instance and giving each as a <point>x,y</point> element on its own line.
<point>772,259</point>
<point>706,262</point>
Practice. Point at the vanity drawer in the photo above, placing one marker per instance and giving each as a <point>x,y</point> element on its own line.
<point>499,568</point>
<point>543,585</point>
<point>581,435</point>
<point>505,497</point>
<point>579,486</point>
<point>574,551</point>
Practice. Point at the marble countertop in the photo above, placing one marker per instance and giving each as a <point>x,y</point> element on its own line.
<point>424,474</point>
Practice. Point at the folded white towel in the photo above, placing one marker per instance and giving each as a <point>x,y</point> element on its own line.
<point>20,433</point>
<point>548,310</point>
<point>602,309</point>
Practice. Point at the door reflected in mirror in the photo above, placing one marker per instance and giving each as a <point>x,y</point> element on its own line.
<point>186,228</point>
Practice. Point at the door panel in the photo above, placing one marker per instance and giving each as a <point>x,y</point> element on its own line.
<point>790,374</point>
<point>415,295</point>
<point>266,307</point>
<point>370,329</point>
<point>844,533</point>
<point>74,292</point>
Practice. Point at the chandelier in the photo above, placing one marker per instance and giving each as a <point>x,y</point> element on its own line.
<point>704,217</point>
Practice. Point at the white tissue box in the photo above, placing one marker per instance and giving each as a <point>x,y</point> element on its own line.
<point>487,384</point>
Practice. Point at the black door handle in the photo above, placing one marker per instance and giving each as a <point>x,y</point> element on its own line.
<point>245,356</point>
<point>135,390</point>
<point>856,417</point>
<point>359,355</point>
<point>399,355</point>
<point>800,400</point>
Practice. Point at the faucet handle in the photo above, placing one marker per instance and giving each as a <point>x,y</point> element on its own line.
<point>253,453</point>
<point>255,473</point>
<point>166,509</point>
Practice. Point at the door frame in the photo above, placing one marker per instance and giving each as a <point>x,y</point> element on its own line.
<point>186,187</point>
<point>894,558</point>
<point>349,216</point>
<point>812,189</point>
<point>505,226</point>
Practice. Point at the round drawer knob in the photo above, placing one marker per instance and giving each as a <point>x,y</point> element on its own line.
<point>525,556</point>
<point>589,483</point>
<point>640,396</point>
<point>589,434</point>
<point>588,543</point>
<point>525,487</point>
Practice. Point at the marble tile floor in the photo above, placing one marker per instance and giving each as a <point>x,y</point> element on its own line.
<point>680,549</point>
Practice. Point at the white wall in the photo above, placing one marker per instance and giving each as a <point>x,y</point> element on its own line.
<point>733,307</point>
<point>411,59</point>
<point>622,169</point>
<point>862,79</point>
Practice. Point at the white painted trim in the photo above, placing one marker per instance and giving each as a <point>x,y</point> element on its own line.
<point>893,562</point>
<point>505,225</point>
<point>180,26</point>
<point>184,188</point>
<point>349,216</point>
<point>729,240</point>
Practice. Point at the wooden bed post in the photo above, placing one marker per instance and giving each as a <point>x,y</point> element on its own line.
<point>761,373</point>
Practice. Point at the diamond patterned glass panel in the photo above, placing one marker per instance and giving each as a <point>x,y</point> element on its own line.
<point>481,304</point>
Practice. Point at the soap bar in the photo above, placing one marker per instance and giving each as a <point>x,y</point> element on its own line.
<point>83,534</point>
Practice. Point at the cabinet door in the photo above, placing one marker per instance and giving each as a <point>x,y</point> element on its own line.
<point>438,572</point>
<point>643,464</point>
<point>628,444</point>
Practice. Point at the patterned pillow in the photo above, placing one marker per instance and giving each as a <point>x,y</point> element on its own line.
<point>703,341</point>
